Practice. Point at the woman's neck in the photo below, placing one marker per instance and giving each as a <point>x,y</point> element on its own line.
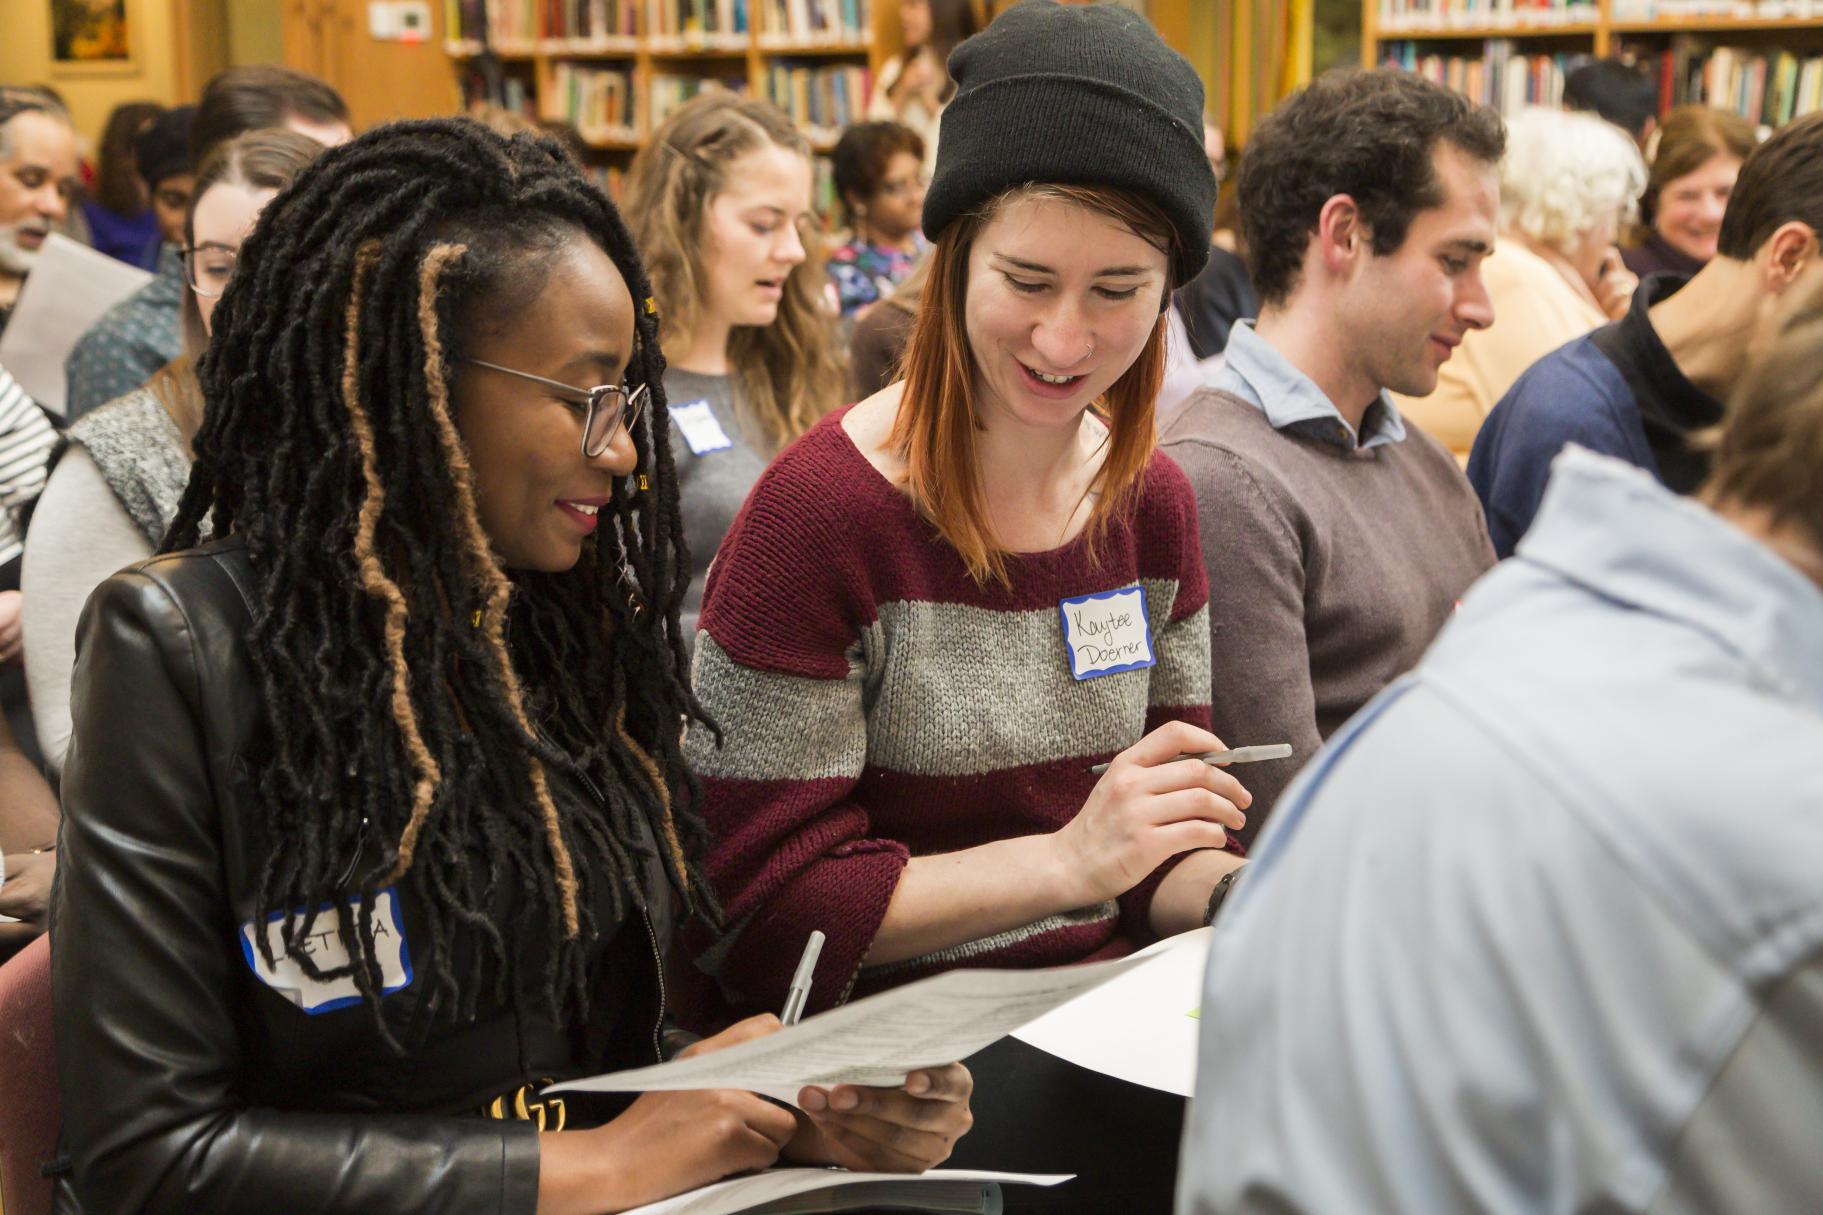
<point>867,234</point>
<point>706,352</point>
<point>1038,479</point>
<point>1558,262</point>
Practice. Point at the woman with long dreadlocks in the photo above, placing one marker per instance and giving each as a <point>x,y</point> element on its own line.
<point>375,820</point>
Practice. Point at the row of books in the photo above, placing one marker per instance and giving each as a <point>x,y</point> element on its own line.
<point>507,91</point>
<point>669,91</point>
<point>1396,15</point>
<point>803,21</point>
<point>1765,88</point>
<point>558,26</point>
<point>1499,76</point>
<point>601,103</point>
<point>820,99</point>
<point>694,23</point>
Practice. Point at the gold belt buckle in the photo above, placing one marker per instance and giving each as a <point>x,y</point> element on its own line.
<point>524,1105</point>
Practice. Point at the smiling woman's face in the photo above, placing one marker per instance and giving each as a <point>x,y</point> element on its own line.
<point>1061,300</point>
<point>536,493</point>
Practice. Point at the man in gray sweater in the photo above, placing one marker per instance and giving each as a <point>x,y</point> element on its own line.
<point>1338,540</point>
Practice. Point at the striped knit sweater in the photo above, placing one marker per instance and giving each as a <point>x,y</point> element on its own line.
<point>878,705</point>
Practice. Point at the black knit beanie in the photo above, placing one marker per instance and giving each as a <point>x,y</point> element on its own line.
<point>1082,94</point>
<point>163,149</point>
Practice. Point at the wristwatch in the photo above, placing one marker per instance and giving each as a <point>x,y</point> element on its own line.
<point>1219,893</point>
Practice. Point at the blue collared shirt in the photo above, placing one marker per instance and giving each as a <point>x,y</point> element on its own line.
<point>1258,374</point>
<point>1539,929</point>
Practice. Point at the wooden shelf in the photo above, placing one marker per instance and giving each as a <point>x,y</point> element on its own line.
<point>577,48</point>
<point>685,53</point>
<point>1575,29</point>
<point>611,143</point>
<point>1716,25</point>
<point>747,59</point>
<point>814,48</point>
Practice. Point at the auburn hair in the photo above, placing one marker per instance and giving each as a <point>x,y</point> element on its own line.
<point>935,430</point>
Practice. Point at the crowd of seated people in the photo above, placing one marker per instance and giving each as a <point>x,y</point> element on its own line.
<point>463,632</point>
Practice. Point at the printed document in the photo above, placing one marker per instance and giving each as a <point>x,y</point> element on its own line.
<point>877,1040</point>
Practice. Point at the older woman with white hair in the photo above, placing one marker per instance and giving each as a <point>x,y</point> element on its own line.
<point>1567,184</point>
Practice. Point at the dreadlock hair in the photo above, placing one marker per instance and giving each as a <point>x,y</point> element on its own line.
<point>414,696</point>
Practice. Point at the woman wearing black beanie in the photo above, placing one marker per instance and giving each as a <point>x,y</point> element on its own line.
<point>941,606</point>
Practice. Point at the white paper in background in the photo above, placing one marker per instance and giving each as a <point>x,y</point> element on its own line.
<point>70,286</point>
<point>1139,1027</point>
<point>744,1193</point>
<point>878,1040</point>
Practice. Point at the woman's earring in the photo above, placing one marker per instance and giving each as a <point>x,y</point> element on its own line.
<point>629,586</point>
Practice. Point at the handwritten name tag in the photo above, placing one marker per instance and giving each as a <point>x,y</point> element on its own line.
<point>322,943</point>
<point>700,429</point>
<point>1107,633</point>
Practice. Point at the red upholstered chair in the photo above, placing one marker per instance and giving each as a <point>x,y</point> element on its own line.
<point>29,1106</point>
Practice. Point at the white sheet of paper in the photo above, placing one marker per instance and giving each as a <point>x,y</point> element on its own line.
<point>878,1040</point>
<point>725,1197</point>
<point>1141,1027</point>
<point>70,286</point>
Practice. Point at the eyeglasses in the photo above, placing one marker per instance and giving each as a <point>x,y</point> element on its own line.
<point>608,406</point>
<point>209,267</point>
<point>903,186</point>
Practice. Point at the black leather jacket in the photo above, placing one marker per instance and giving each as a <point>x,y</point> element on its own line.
<point>189,1085</point>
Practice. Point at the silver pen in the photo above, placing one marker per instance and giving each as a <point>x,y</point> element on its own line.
<point>799,991</point>
<point>1238,755</point>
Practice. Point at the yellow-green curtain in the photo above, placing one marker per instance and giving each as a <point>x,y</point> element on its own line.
<point>1251,53</point>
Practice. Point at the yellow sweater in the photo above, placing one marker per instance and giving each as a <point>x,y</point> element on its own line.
<point>1535,312</point>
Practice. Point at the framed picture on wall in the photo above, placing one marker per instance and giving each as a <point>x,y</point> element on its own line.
<point>91,34</point>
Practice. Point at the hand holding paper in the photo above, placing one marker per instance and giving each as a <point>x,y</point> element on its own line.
<point>877,1041</point>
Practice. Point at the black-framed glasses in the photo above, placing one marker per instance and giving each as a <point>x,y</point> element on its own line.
<point>608,406</point>
<point>208,268</point>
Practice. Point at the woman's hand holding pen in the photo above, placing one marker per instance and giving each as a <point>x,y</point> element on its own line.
<point>886,1130</point>
<point>1149,806</point>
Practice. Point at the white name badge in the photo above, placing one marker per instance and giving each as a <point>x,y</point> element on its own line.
<point>1107,633</point>
<point>322,942</point>
<point>700,429</point>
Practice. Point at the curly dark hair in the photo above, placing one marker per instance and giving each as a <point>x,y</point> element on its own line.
<point>862,155</point>
<point>414,695</point>
<point>1366,134</point>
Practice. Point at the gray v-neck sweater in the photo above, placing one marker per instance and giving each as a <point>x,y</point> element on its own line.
<point>1331,568</point>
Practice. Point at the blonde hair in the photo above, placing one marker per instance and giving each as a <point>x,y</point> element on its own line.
<point>788,372</point>
<point>1770,444</point>
<point>938,419</point>
<point>1564,173</point>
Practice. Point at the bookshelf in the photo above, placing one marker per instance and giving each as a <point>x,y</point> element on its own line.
<point>1760,58</point>
<point>613,69</point>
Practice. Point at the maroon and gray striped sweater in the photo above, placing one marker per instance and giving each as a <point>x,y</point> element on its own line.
<point>878,704</point>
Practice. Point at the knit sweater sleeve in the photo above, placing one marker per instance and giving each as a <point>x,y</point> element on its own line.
<point>1181,680</point>
<point>778,667</point>
<point>1260,660</point>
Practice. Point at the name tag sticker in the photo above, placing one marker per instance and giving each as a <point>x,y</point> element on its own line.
<point>700,429</point>
<point>322,943</point>
<point>1107,633</point>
